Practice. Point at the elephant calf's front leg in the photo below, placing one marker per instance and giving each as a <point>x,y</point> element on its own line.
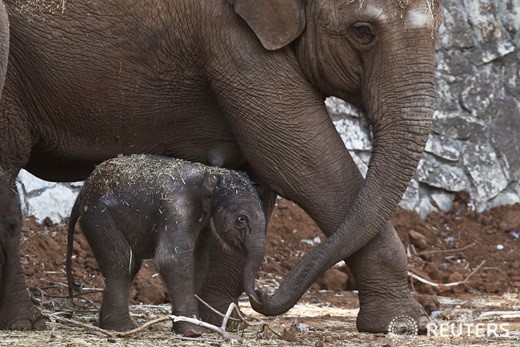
<point>175,264</point>
<point>114,313</point>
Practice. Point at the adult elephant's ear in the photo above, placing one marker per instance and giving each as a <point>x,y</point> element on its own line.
<point>275,22</point>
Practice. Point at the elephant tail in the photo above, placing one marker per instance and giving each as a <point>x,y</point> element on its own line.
<point>74,217</point>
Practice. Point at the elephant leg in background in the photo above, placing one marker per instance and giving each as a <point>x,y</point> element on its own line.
<point>17,312</point>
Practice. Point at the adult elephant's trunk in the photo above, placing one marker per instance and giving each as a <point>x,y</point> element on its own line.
<point>401,117</point>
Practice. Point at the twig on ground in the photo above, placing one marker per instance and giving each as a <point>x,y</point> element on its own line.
<point>502,314</point>
<point>81,324</point>
<point>225,335</point>
<point>446,250</point>
<point>142,327</point>
<point>219,330</point>
<point>83,293</point>
<point>232,307</point>
<point>452,284</point>
<point>241,317</point>
<point>214,309</point>
<point>199,339</point>
<point>259,322</point>
<point>222,332</point>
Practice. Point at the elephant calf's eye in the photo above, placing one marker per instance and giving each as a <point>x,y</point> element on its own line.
<point>364,33</point>
<point>241,220</point>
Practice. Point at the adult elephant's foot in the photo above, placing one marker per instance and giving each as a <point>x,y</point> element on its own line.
<point>21,317</point>
<point>384,315</point>
<point>17,312</point>
<point>380,271</point>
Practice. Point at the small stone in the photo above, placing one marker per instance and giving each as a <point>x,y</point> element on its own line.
<point>437,314</point>
<point>302,328</point>
<point>432,271</point>
<point>306,242</point>
<point>441,288</point>
<point>450,240</point>
<point>492,287</point>
<point>333,279</point>
<point>428,302</point>
<point>418,240</point>
<point>514,234</point>
<point>458,289</point>
<point>289,334</point>
<point>455,277</point>
<point>48,222</point>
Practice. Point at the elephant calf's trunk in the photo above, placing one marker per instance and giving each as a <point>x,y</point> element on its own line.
<point>254,261</point>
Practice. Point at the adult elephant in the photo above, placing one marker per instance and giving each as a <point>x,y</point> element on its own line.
<point>235,83</point>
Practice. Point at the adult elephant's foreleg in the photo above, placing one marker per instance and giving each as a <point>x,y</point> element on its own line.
<point>290,142</point>
<point>16,309</point>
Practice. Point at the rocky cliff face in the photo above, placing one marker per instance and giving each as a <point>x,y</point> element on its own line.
<point>475,140</point>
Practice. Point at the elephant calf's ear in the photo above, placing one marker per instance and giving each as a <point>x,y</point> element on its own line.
<point>276,23</point>
<point>208,188</point>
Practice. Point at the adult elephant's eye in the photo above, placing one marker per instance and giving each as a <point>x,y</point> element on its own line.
<point>364,33</point>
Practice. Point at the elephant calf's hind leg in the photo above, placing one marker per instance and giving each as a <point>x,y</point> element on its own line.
<point>118,266</point>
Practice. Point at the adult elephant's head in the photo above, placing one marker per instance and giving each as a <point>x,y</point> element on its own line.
<point>379,56</point>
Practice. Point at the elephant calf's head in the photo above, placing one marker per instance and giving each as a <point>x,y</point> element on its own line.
<point>238,221</point>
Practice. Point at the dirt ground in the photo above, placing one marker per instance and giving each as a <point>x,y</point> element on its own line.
<point>479,251</point>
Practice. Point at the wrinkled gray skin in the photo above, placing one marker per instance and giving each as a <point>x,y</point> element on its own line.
<point>143,206</point>
<point>235,83</point>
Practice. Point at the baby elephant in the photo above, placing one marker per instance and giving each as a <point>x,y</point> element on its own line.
<point>144,206</point>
